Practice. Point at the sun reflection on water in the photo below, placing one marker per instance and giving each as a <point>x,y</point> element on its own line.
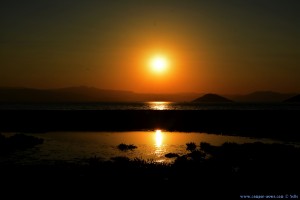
<point>159,105</point>
<point>158,138</point>
<point>159,146</point>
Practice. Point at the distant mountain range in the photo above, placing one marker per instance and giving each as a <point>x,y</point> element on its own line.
<point>91,94</point>
<point>261,96</point>
<point>212,98</point>
<point>86,94</point>
<point>293,99</point>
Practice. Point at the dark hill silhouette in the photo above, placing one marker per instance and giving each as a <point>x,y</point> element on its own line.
<point>85,94</point>
<point>293,99</point>
<point>212,98</point>
<point>92,94</point>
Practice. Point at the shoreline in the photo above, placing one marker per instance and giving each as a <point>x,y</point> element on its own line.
<point>238,169</point>
<point>276,124</point>
<point>229,171</point>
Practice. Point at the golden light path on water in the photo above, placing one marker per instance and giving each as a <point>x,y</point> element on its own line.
<point>151,145</point>
<point>159,105</point>
<point>158,138</point>
<point>159,145</point>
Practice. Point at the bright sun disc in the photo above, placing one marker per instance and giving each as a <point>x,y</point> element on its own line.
<point>159,64</point>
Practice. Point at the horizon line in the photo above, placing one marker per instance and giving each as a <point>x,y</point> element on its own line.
<point>137,92</point>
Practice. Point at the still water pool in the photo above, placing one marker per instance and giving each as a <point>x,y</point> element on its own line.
<point>152,145</point>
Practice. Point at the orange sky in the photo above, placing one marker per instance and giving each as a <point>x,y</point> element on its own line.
<point>212,46</point>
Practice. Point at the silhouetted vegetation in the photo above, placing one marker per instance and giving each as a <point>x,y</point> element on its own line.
<point>171,155</point>
<point>126,147</point>
<point>191,146</point>
<point>234,168</point>
<point>18,142</point>
<point>120,159</point>
<point>94,160</point>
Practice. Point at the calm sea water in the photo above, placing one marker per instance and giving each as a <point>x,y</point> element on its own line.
<point>149,106</point>
<point>78,146</point>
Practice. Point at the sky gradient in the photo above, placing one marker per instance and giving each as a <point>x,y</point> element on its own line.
<point>212,46</point>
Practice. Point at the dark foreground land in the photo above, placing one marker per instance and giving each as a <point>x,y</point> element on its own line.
<point>279,124</point>
<point>228,171</point>
<point>207,172</point>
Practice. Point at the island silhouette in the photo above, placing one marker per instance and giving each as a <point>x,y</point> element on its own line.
<point>294,99</point>
<point>212,98</point>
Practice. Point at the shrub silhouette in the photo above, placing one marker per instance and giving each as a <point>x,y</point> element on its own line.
<point>191,146</point>
<point>126,147</point>
<point>171,155</point>
<point>18,142</point>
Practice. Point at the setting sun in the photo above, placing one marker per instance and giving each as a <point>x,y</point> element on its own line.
<point>159,64</point>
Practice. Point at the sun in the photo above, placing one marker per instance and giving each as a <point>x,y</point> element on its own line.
<point>159,64</point>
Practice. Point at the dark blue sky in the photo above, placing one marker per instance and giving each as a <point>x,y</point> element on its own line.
<point>215,46</point>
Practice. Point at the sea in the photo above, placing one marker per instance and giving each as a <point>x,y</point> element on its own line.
<point>77,146</point>
<point>153,105</point>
